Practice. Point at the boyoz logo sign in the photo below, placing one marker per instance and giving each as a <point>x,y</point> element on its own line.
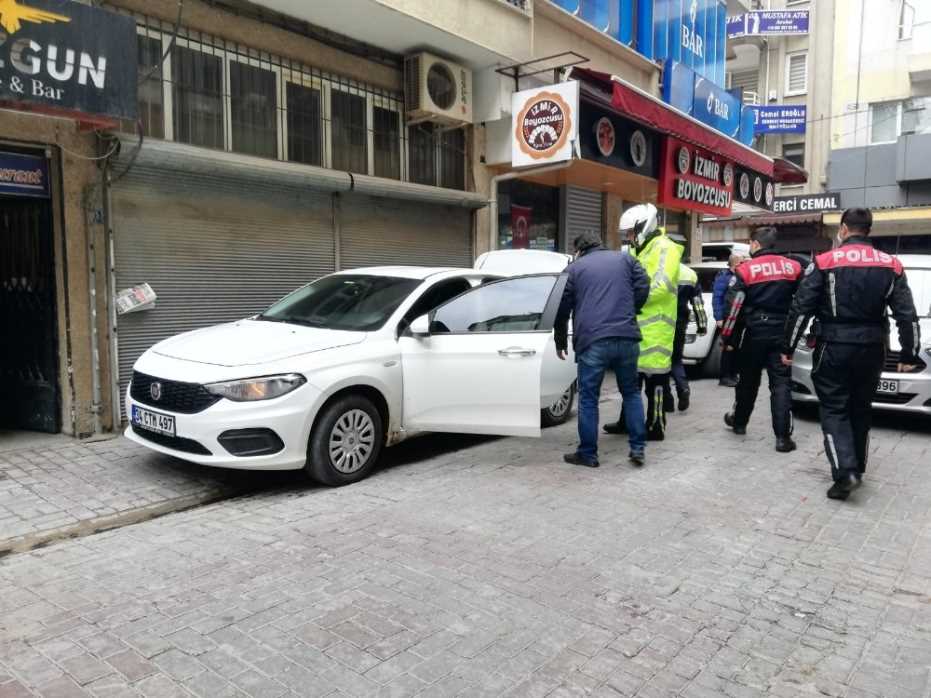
<point>545,124</point>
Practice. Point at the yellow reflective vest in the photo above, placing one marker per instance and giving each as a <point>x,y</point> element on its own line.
<point>661,258</point>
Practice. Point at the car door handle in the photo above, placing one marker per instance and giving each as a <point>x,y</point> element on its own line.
<point>517,351</point>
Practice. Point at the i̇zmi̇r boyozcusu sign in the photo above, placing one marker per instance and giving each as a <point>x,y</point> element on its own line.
<point>63,57</point>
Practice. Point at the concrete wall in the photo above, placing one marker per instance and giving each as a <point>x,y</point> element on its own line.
<point>866,176</point>
<point>76,200</point>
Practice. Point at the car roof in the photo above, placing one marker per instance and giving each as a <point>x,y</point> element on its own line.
<point>402,272</point>
<point>520,262</point>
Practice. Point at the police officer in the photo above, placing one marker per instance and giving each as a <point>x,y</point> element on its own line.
<point>758,300</point>
<point>848,290</point>
<point>661,258</point>
<point>690,297</point>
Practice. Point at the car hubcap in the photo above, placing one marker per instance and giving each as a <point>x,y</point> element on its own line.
<point>352,441</point>
<point>560,407</point>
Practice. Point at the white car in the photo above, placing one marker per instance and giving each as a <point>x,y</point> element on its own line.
<point>353,362</point>
<point>902,392</point>
<point>704,350</point>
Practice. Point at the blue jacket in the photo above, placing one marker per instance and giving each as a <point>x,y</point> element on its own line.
<point>604,292</point>
<point>719,293</point>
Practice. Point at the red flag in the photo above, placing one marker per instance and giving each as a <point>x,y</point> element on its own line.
<point>520,226</point>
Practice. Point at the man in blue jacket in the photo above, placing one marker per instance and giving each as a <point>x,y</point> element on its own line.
<point>604,293</point>
<point>719,307</point>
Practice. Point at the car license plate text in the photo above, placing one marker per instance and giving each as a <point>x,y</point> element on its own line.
<point>153,421</point>
<point>888,387</point>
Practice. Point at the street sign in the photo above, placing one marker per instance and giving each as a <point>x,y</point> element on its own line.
<point>768,23</point>
<point>811,203</point>
<point>779,118</point>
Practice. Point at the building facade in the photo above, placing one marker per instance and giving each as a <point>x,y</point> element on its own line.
<point>239,150</point>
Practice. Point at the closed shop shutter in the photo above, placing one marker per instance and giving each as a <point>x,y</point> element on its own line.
<point>582,212</point>
<point>376,231</point>
<point>213,249</point>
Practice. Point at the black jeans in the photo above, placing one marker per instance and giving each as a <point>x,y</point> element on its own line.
<point>845,378</point>
<point>754,355</point>
<point>728,367</point>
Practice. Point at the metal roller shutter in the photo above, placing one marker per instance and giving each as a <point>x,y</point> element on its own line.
<point>377,231</point>
<point>582,212</point>
<point>214,250</point>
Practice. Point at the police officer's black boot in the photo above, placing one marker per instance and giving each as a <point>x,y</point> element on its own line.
<point>842,488</point>
<point>684,399</point>
<point>785,444</point>
<point>729,421</point>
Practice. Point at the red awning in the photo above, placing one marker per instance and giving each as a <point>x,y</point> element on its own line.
<point>771,219</point>
<point>639,106</point>
<point>788,172</point>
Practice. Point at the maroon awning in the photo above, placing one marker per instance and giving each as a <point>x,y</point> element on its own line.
<point>641,107</point>
<point>787,172</point>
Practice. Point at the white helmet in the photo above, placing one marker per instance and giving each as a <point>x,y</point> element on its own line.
<point>642,220</point>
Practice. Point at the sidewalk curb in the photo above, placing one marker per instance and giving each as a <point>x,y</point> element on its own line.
<point>99,524</point>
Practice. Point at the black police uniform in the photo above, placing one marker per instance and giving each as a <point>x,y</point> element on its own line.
<point>690,299</point>
<point>848,290</point>
<point>759,299</point>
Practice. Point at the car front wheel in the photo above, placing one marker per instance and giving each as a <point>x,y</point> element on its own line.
<point>346,441</point>
<point>560,411</point>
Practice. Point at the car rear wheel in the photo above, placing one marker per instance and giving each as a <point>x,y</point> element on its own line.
<point>560,411</point>
<point>346,441</point>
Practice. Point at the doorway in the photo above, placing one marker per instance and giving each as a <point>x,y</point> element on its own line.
<point>30,395</point>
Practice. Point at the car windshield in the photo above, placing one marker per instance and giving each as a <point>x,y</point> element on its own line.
<point>919,280</point>
<point>354,302</point>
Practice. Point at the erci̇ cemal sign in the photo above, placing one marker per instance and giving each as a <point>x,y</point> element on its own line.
<point>67,57</point>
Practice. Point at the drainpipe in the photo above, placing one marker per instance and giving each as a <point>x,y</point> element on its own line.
<point>493,200</point>
<point>89,201</point>
<point>116,398</point>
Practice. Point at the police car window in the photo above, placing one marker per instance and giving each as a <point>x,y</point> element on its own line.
<point>513,305</point>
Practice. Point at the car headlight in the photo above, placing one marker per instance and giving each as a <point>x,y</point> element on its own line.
<point>251,389</point>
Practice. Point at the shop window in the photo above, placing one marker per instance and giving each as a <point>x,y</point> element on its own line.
<point>253,110</point>
<point>422,154</point>
<point>305,124</point>
<point>452,159</point>
<point>514,305</point>
<point>528,216</point>
<point>794,153</point>
<point>797,73</point>
<point>150,95</point>
<point>386,124</point>
<point>348,125</point>
<point>197,97</point>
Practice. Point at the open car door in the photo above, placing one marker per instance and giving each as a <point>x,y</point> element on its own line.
<point>477,368</point>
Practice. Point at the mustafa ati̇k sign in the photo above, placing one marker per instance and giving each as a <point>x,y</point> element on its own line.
<point>544,124</point>
<point>695,179</point>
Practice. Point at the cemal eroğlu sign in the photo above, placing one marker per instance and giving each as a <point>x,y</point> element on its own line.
<point>68,57</point>
<point>695,179</point>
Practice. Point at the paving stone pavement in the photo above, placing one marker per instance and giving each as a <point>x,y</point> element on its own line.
<point>492,568</point>
<point>67,487</point>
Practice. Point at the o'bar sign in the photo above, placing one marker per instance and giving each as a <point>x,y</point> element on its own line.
<point>62,56</point>
<point>545,124</point>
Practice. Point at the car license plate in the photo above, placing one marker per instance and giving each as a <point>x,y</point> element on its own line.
<point>888,387</point>
<point>153,421</point>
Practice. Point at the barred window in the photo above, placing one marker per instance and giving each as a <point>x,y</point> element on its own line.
<point>253,108</point>
<point>387,135</point>
<point>197,95</point>
<point>422,154</point>
<point>349,131</point>
<point>452,159</point>
<point>151,97</point>
<point>305,124</point>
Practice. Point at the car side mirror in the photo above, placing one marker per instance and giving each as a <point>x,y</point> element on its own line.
<point>421,326</point>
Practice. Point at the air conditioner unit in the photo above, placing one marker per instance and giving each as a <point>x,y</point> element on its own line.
<point>437,90</point>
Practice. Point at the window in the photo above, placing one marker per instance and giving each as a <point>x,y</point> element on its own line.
<point>794,153</point>
<point>906,20</point>
<point>197,97</point>
<point>513,305</point>
<point>422,154</point>
<point>789,3</point>
<point>916,115</point>
<point>885,121</point>
<point>797,73</point>
<point>386,124</point>
<point>349,132</point>
<point>434,297</point>
<point>151,97</point>
<point>253,110</point>
<point>354,302</point>
<point>452,159</point>
<point>305,124</point>
<point>528,216</point>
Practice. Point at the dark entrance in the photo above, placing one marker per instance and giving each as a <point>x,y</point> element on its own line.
<point>29,398</point>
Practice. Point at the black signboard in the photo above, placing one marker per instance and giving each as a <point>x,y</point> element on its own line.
<point>24,175</point>
<point>618,142</point>
<point>67,57</point>
<point>753,188</point>
<point>807,203</point>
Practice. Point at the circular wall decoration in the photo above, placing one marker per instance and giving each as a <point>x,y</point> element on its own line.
<point>744,185</point>
<point>605,136</point>
<point>683,160</point>
<point>638,148</point>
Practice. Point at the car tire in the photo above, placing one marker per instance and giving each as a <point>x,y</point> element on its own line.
<point>711,366</point>
<point>346,441</point>
<point>560,411</point>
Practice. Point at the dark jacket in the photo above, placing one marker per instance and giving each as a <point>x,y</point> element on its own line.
<point>848,290</point>
<point>760,295</point>
<point>604,292</point>
<point>719,293</point>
